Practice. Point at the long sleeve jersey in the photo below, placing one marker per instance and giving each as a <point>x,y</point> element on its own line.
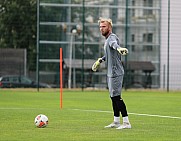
<point>112,56</point>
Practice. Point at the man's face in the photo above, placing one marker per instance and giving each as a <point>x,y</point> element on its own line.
<point>105,28</point>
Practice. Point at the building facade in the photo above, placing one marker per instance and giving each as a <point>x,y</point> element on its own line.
<point>170,46</point>
<point>137,23</point>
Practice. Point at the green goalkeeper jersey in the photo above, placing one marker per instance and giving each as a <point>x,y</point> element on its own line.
<point>113,57</point>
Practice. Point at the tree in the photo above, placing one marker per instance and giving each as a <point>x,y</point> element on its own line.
<point>18,26</point>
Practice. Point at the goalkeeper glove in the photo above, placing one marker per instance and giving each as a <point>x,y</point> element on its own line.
<point>96,65</point>
<point>122,51</point>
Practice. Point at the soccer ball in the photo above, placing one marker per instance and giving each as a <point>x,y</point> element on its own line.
<point>41,121</point>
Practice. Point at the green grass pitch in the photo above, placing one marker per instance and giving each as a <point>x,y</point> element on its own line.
<point>85,113</point>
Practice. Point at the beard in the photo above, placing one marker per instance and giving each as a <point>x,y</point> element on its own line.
<point>105,33</point>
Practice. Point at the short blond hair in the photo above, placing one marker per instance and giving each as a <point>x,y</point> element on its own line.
<point>105,20</point>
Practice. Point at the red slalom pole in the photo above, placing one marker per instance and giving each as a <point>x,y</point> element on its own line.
<point>61,62</point>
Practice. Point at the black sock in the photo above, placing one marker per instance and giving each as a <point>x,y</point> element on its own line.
<point>119,105</point>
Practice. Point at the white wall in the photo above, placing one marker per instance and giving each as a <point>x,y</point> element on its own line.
<point>175,43</point>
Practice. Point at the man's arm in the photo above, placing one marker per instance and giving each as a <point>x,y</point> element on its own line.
<point>122,51</point>
<point>113,43</point>
<point>96,65</point>
<point>103,59</point>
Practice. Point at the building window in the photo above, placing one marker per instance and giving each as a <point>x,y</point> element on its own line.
<point>132,37</point>
<point>132,40</point>
<point>133,10</point>
<point>147,48</point>
<point>147,39</point>
<point>147,3</point>
<point>133,48</point>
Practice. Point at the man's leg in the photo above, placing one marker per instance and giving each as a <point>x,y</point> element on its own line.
<point>116,120</point>
<point>119,103</point>
<point>122,108</point>
<point>115,87</point>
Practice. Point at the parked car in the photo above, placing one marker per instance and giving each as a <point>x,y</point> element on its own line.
<point>16,81</point>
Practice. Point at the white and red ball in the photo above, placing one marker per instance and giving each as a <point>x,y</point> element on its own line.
<point>41,121</point>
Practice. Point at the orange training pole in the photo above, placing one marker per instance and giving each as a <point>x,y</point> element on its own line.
<point>61,62</point>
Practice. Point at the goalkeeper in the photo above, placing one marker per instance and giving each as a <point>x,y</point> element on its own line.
<point>115,73</point>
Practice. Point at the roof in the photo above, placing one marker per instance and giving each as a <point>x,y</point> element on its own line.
<point>77,63</point>
<point>132,65</point>
<point>140,65</point>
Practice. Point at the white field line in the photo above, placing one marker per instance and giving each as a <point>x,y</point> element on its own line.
<point>98,111</point>
<point>148,115</point>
